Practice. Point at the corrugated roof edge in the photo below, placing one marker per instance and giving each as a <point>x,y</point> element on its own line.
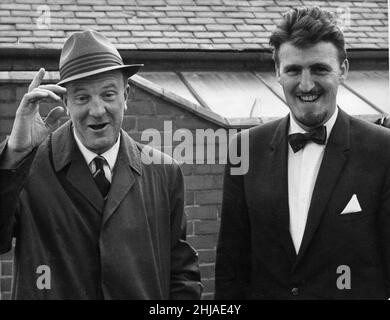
<point>179,101</point>
<point>26,76</point>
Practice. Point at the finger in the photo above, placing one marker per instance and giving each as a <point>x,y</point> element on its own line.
<point>46,94</point>
<point>54,88</point>
<point>54,116</point>
<point>37,79</point>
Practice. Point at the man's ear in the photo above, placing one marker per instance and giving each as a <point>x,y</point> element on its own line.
<point>65,102</point>
<point>127,94</point>
<point>277,72</point>
<point>344,67</point>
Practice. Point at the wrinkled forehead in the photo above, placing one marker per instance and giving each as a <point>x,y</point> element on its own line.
<point>103,80</point>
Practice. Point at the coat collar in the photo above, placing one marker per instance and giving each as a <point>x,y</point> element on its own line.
<point>65,152</point>
<point>63,146</point>
<point>333,162</point>
<point>334,159</point>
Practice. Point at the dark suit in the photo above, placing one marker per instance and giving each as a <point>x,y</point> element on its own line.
<point>256,258</point>
<point>131,247</point>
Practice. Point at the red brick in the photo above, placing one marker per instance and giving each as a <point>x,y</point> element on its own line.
<point>206,227</point>
<point>209,169</point>
<point>6,125</point>
<point>129,123</point>
<point>208,285</point>
<point>190,228</point>
<point>150,123</point>
<point>7,92</point>
<point>202,212</point>
<point>206,255</point>
<point>189,198</point>
<point>207,296</point>
<point>208,197</point>
<point>203,182</point>
<point>6,284</point>
<point>139,108</point>
<point>203,241</point>
<point>6,268</point>
<point>207,271</point>
<point>187,169</point>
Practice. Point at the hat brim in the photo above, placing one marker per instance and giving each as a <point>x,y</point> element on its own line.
<point>129,71</point>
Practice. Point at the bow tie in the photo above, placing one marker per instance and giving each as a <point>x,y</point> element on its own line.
<point>298,140</point>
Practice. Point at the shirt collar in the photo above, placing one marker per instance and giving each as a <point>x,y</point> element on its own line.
<point>110,155</point>
<point>296,128</point>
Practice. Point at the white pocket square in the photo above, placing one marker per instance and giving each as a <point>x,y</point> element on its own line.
<point>352,206</point>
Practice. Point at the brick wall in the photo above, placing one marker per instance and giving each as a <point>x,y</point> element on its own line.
<point>203,182</point>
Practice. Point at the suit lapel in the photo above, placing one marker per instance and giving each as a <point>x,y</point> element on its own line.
<point>65,151</point>
<point>335,156</point>
<point>278,169</point>
<point>123,178</point>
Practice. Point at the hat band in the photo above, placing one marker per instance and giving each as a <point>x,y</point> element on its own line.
<point>89,62</point>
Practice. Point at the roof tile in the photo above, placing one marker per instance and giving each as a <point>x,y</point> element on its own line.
<point>179,24</point>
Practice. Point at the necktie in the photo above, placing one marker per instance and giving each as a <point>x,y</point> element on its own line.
<point>298,140</point>
<point>98,175</point>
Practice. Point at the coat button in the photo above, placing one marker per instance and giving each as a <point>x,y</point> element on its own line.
<point>295,291</point>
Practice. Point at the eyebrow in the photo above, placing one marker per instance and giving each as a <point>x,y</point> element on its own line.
<point>315,65</point>
<point>107,86</point>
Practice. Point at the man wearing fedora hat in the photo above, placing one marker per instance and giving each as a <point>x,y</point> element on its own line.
<point>92,220</point>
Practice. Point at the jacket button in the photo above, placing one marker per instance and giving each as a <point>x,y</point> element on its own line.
<point>295,291</point>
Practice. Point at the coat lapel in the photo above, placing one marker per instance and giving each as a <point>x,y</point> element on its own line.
<point>129,159</point>
<point>64,152</point>
<point>335,156</point>
<point>278,169</point>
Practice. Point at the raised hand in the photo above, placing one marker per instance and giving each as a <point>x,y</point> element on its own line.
<point>29,129</point>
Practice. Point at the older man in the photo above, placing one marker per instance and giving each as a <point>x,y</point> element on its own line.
<point>311,218</point>
<point>92,221</point>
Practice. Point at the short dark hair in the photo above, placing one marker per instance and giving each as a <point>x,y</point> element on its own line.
<point>304,27</point>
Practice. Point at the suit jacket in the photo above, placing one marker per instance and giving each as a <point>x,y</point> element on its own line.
<point>131,247</point>
<point>256,258</point>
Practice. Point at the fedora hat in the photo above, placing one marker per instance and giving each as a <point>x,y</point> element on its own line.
<point>88,53</point>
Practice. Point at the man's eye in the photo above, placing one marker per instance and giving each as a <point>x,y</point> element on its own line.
<point>320,70</point>
<point>292,72</point>
<point>109,95</point>
<point>81,99</point>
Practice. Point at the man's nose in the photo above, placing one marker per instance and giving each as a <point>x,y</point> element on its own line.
<point>306,81</point>
<point>97,108</point>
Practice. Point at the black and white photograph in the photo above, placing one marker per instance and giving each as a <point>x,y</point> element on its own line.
<point>203,150</point>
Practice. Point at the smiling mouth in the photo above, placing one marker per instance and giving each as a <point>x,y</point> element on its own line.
<point>98,126</point>
<point>306,98</point>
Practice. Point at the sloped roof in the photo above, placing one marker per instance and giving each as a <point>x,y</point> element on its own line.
<point>177,24</point>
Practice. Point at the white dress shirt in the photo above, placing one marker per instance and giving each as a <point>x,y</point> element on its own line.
<point>110,156</point>
<point>303,167</point>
